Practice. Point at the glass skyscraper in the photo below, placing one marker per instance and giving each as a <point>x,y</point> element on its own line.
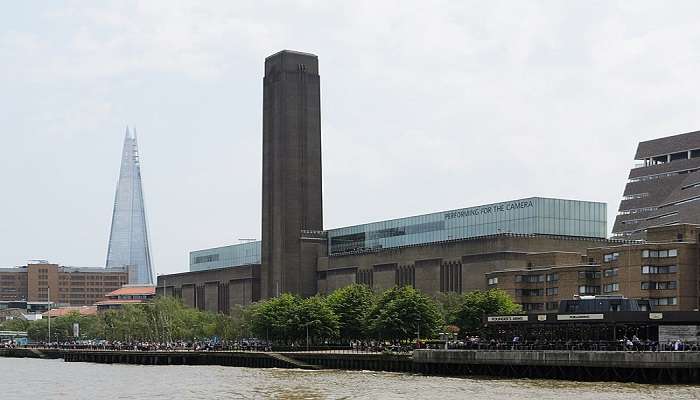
<point>128,238</point>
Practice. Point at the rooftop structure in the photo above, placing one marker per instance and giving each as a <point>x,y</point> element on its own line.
<point>128,239</point>
<point>534,215</point>
<point>128,294</point>
<point>663,188</point>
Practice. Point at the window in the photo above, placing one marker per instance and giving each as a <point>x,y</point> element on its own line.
<point>529,292</point>
<point>659,285</point>
<point>610,272</point>
<point>663,301</point>
<point>532,306</point>
<point>493,281</point>
<point>529,278</point>
<point>611,257</point>
<point>552,277</point>
<point>552,305</point>
<point>552,291</point>
<point>588,289</point>
<point>659,253</point>
<point>666,269</point>
<point>611,287</point>
<point>205,259</point>
<point>589,274</point>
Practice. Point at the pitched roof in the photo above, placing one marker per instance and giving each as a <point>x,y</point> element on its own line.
<point>112,302</point>
<point>133,291</point>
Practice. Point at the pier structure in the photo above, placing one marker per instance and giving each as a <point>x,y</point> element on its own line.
<point>626,366</point>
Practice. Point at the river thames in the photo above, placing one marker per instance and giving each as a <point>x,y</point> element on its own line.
<point>54,379</point>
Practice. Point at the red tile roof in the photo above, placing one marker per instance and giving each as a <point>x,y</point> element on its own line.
<point>133,291</point>
<point>110,302</point>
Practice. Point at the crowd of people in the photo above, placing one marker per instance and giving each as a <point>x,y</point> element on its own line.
<point>471,343</point>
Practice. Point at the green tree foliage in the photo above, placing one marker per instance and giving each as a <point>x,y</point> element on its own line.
<point>62,327</point>
<point>286,318</point>
<point>315,314</point>
<point>400,312</point>
<point>274,319</point>
<point>352,305</point>
<point>480,303</point>
<point>16,324</point>
<point>450,304</point>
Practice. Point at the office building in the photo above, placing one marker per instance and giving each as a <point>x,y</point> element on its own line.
<point>663,188</point>
<point>71,286</point>
<point>128,239</point>
<point>661,270</point>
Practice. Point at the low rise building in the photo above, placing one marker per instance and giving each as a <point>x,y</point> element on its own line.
<point>661,270</point>
<point>68,285</point>
<point>128,294</point>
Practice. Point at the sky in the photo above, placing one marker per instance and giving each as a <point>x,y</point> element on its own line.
<point>426,106</point>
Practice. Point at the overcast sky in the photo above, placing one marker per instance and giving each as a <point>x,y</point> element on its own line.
<point>426,106</point>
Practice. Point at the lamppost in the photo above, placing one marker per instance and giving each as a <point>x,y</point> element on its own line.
<point>417,331</point>
<point>307,331</point>
<point>48,298</point>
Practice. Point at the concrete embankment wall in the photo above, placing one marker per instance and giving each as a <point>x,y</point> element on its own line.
<point>644,367</point>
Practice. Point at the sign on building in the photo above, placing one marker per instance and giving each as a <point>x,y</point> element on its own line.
<point>508,318</point>
<point>572,317</point>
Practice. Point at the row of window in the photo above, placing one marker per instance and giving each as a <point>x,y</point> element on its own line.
<point>659,285</point>
<point>653,269</point>
<point>535,278</point>
<point>664,301</point>
<point>611,272</point>
<point>611,287</point>
<point>659,253</point>
<point>588,289</point>
<point>589,274</point>
<point>611,257</point>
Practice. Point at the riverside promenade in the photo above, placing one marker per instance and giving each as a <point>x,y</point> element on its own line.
<point>627,366</point>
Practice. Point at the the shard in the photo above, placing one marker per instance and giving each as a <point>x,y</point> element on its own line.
<point>128,238</point>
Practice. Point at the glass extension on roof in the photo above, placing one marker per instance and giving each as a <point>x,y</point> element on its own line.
<point>533,215</point>
<point>227,256</point>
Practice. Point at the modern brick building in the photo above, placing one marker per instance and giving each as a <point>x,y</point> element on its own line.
<point>662,270</point>
<point>69,285</point>
<point>540,250</point>
<point>438,252</point>
<point>664,187</point>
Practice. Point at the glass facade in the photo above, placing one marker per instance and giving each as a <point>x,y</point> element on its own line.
<point>128,238</point>
<point>227,256</point>
<point>535,215</point>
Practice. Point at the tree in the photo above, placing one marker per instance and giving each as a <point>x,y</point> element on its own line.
<point>15,324</point>
<point>450,304</point>
<point>317,316</point>
<point>480,303</point>
<point>401,312</point>
<point>351,304</point>
<point>274,318</point>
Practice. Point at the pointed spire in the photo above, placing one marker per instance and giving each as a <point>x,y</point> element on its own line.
<point>128,239</point>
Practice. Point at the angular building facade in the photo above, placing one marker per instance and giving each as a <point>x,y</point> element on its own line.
<point>128,240</point>
<point>664,187</point>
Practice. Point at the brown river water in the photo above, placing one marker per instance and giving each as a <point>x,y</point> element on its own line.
<point>55,379</point>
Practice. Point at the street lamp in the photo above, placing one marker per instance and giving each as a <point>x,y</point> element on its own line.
<point>307,331</point>
<point>417,331</point>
